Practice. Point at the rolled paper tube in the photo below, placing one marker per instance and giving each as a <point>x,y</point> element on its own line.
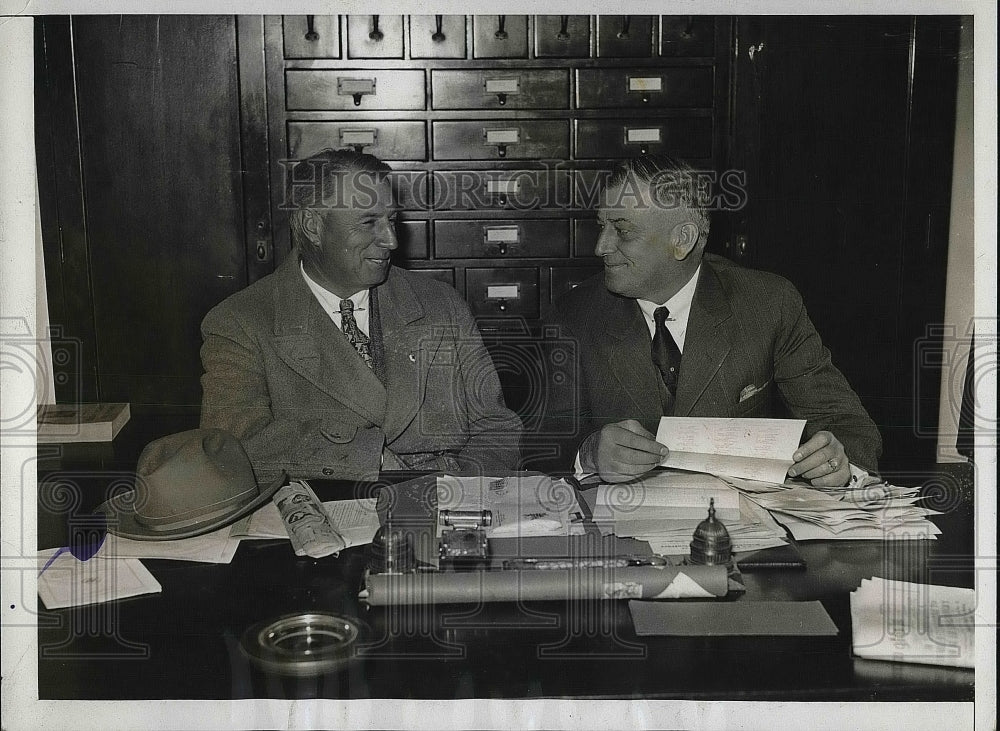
<point>632,582</point>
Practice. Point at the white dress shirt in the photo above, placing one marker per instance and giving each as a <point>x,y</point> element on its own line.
<point>680,310</point>
<point>331,303</point>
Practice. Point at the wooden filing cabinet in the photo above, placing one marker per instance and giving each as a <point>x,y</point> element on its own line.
<point>498,128</point>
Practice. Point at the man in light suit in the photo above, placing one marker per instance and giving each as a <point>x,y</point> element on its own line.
<point>341,365</point>
<point>669,330</point>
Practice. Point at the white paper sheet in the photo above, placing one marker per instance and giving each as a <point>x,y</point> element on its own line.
<point>524,505</point>
<point>214,547</point>
<point>756,449</point>
<point>68,582</point>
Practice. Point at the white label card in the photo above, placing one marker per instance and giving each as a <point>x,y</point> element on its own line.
<point>502,86</point>
<point>503,136</point>
<point>645,83</point>
<point>642,135</point>
<point>502,186</point>
<point>357,137</point>
<point>502,291</point>
<point>355,86</point>
<point>505,234</point>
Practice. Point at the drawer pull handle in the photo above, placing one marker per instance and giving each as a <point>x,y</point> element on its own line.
<point>501,34</point>
<point>623,33</point>
<point>311,34</point>
<point>563,34</point>
<point>355,88</point>
<point>689,28</point>
<point>438,36</point>
<point>376,35</point>
<point>503,249</point>
<point>501,150</point>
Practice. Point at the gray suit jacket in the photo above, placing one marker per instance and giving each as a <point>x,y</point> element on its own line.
<point>750,351</point>
<point>282,377</point>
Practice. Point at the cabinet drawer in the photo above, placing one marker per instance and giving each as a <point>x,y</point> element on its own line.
<point>562,36</point>
<point>501,140</point>
<point>585,233</point>
<point>625,36</point>
<point>501,238</point>
<point>502,292</point>
<point>500,89</point>
<point>687,35</point>
<point>385,140</point>
<point>411,189</point>
<point>428,39</point>
<point>375,36</point>
<point>566,278</point>
<point>514,190</point>
<point>356,90</point>
<point>442,275</point>
<point>412,238</point>
<point>311,36</point>
<point>689,137</point>
<point>649,88</point>
<point>500,36</point>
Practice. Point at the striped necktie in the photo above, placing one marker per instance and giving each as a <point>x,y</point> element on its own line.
<point>350,327</point>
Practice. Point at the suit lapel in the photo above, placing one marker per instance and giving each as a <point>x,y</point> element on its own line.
<point>409,344</point>
<point>310,344</point>
<point>707,342</point>
<point>626,343</point>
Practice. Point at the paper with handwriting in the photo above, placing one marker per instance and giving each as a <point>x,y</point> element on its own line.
<point>755,449</point>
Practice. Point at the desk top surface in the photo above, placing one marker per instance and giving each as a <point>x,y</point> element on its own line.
<point>184,642</point>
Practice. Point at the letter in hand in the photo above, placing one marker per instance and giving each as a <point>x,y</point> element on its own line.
<point>621,451</point>
<point>822,460</point>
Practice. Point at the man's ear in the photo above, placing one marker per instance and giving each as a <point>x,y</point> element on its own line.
<point>311,225</point>
<point>684,239</point>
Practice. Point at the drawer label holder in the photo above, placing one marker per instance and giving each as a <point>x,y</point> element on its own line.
<point>354,87</point>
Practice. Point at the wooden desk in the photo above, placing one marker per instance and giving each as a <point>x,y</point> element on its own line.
<point>184,643</point>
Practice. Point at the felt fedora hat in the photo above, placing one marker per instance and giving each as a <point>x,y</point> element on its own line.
<point>187,484</point>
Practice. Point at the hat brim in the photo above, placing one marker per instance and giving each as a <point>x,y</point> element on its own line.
<point>122,521</point>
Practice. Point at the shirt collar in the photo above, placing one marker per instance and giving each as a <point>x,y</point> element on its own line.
<point>330,301</point>
<point>679,305</point>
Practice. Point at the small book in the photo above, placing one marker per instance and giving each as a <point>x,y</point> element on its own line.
<point>60,423</point>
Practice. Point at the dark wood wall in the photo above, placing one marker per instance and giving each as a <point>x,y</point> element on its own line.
<point>157,138</point>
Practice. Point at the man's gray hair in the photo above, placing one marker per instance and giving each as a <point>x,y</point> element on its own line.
<point>318,185</point>
<point>672,182</point>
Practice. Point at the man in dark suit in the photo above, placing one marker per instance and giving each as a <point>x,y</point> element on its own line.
<point>339,364</point>
<point>669,330</point>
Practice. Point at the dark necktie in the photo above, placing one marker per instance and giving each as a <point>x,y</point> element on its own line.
<point>666,356</point>
<point>350,327</point>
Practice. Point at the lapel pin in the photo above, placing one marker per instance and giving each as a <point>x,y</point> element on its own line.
<point>412,357</point>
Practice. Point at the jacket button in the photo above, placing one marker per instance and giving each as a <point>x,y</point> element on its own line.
<point>327,470</point>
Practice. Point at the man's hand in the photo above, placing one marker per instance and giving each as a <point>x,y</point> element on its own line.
<point>822,461</point>
<point>619,452</point>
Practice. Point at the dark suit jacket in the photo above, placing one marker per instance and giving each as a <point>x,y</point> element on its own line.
<point>282,377</point>
<point>747,330</point>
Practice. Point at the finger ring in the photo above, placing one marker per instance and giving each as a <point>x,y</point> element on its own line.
<point>832,463</point>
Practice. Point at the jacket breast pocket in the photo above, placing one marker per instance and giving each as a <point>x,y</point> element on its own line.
<point>757,403</point>
<point>341,434</point>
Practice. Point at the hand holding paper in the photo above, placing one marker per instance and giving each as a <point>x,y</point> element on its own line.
<point>756,449</point>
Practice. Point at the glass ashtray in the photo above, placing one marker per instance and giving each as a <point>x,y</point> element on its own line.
<point>310,643</point>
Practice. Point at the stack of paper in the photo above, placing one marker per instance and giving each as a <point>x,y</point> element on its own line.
<point>522,505</point>
<point>920,623</point>
<point>666,508</point>
<point>873,512</point>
